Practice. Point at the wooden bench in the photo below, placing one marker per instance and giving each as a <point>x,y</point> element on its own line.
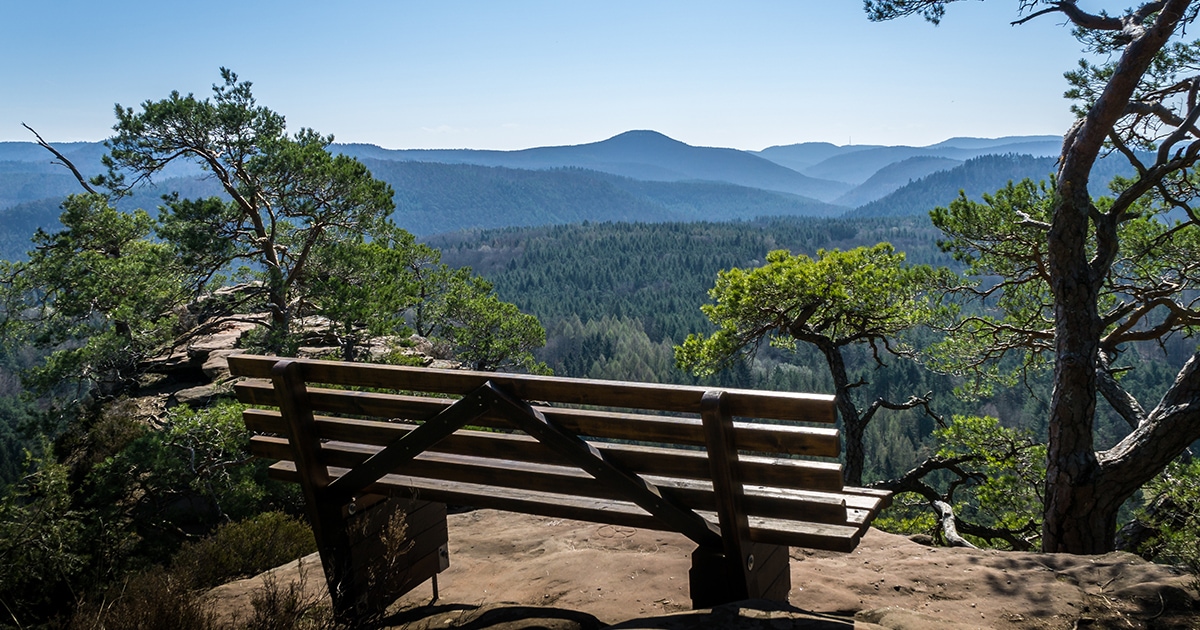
<point>744,474</point>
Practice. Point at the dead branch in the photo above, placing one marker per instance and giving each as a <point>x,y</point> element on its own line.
<point>61,159</point>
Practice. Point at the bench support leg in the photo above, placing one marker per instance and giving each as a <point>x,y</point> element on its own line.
<point>711,582</point>
<point>372,550</point>
<point>395,546</point>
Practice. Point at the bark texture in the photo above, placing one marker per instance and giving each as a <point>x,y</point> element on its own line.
<point>1083,492</point>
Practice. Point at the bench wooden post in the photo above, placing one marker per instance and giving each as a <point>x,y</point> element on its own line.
<point>333,543</point>
<point>740,569</point>
<point>375,549</point>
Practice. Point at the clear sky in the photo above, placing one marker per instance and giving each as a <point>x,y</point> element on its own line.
<point>512,74</point>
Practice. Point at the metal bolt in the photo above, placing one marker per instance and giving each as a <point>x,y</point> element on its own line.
<point>750,562</point>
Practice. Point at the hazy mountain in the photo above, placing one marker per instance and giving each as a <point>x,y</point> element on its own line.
<point>801,156</point>
<point>433,198</point>
<point>19,223</point>
<point>894,176</point>
<point>855,164</point>
<point>642,155</point>
<point>974,177</point>
<point>995,144</point>
<point>635,176</point>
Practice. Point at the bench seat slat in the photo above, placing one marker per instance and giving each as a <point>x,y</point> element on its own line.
<point>696,495</point>
<point>765,471</point>
<point>748,403</point>
<point>765,530</point>
<point>755,437</point>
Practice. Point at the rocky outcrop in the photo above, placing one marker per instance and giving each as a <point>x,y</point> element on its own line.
<point>198,373</point>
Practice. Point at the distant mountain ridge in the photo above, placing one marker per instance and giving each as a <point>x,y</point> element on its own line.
<point>855,164</point>
<point>634,176</point>
<point>643,155</point>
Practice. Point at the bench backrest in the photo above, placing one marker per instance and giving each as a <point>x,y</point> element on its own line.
<point>635,454</point>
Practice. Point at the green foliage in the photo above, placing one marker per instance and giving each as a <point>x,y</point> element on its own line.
<point>364,288</point>
<point>287,195</point>
<point>657,273</point>
<point>194,470</point>
<point>1002,242</point>
<point>609,348</point>
<point>1008,465</point>
<point>838,298</point>
<point>1177,489</point>
<point>992,477</point>
<point>99,294</point>
<point>489,334</point>
<point>44,548</point>
<point>244,548</point>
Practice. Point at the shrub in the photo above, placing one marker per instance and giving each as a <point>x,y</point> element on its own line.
<point>244,548</point>
<point>1172,513</point>
<point>152,599</point>
<point>290,607</point>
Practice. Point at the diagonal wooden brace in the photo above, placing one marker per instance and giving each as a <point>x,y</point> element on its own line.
<point>403,450</point>
<point>641,492</point>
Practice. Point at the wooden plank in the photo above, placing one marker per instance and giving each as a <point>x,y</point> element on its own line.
<point>666,462</point>
<point>877,499</point>
<point>781,439</point>
<point>415,545</point>
<point>746,403</point>
<point>410,445</point>
<point>809,535</point>
<point>694,495</point>
<point>589,458</point>
<point>774,575</point>
<point>773,531</point>
<point>418,516</point>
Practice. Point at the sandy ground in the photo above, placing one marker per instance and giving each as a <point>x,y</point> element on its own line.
<point>517,571</point>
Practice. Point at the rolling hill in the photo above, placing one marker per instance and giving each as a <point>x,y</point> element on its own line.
<point>642,155</point>
<point>855,164</point>
<point>635,176</point>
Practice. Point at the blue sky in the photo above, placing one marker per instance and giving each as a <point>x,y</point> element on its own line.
<point>523,73</point>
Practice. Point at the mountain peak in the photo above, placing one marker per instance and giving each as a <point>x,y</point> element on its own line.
<point>642,137</point>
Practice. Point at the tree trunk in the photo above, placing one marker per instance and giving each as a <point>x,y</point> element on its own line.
<point>852,425</point>
<point>1072,467</point>
<point>1080,509</point>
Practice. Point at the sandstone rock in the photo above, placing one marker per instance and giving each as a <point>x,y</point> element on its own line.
<point>198,396</point>
<point>896,618</point>
<point>224,338</point>
<point>216,366</point>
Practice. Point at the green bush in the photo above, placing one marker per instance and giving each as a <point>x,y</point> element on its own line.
<point>1173,512</point>
<point>244,548</point>
<point>44,550</point>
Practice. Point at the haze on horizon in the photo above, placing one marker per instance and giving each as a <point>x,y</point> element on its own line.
<point>521,74</point>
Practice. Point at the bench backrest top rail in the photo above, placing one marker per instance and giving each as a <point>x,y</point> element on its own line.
<point>781,439</point>
<point>789,406</point>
